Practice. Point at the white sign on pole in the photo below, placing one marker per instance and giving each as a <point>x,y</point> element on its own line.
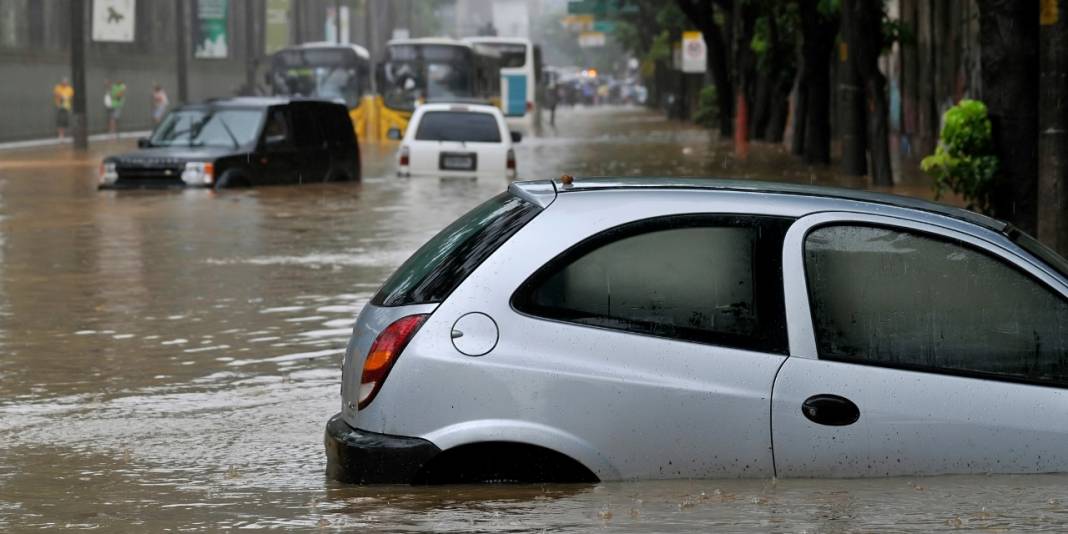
<point>694,52</point>
<point>113,20</point>
<point>591,39</point>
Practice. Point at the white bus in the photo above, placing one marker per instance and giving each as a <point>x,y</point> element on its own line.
<point>520,75</point>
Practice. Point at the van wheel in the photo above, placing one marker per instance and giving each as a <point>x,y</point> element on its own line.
<point>232,178</point>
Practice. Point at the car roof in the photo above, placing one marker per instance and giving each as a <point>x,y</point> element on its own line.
<point>542,192</point>
<point>458,106</point>
<point>253,102</point>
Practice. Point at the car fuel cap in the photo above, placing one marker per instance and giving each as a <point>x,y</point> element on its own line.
<point>475,334</point>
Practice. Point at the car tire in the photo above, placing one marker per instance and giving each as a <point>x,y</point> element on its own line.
<point>231,179</point>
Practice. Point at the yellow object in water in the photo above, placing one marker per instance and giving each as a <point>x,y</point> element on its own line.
<point>373,120</point>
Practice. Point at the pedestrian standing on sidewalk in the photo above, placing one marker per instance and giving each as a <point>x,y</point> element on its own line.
<point>159,103</point>
<point>63,95</point>
<point>107,103</point>
<point>117,92</point>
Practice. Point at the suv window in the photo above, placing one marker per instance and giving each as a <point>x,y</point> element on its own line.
<point>444,262</point>
<point>466,126</point>
<point>901,299</point>
<point>711,279</point>
<point>276,130</point>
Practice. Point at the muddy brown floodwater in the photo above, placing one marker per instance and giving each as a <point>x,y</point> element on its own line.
<point>168,359</point>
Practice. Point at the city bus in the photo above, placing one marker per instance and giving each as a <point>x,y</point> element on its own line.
<point>328,71</point>
<point>520,75</point>
<point>415,71</point>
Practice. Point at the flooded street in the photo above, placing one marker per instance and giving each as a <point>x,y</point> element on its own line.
<point>170,358</point>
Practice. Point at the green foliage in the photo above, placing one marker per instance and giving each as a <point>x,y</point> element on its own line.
<point>964,161</point>
<point>707,107</point>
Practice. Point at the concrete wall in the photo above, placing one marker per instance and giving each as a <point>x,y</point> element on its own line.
<point>27,112</point>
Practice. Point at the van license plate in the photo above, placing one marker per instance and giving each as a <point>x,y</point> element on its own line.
<point>457,162</point>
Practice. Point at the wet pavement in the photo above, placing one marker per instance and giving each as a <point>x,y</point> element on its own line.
<point>168,359</point>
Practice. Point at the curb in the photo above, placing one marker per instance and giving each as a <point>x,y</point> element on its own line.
<point>35,143</point>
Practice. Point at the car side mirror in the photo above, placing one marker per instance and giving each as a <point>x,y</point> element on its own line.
<point>516,137</point>
<point>394,134</point>
<point>143,143</point>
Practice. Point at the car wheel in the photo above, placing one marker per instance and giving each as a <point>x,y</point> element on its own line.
<point>232,178</point>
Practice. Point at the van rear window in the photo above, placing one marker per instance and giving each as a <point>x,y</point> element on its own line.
<point>466,126</point>
<point>439,266</point>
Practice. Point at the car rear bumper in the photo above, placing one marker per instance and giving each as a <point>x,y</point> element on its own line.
<point>363,457</point>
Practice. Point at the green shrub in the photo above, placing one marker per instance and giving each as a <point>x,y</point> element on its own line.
<point>707,107</point>
<point>964,161</point>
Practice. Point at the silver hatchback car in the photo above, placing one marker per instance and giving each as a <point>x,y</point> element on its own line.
<point>665,328</point>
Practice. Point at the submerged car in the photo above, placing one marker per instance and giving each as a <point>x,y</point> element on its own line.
<point>601,329</point>
<point>240,142</point>
<point>457,139</point>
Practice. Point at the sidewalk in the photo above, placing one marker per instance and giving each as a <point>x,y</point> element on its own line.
<point>55,141</point>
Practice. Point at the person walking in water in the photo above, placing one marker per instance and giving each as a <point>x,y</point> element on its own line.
<point>159,103</point>
<point>117,94</point>
<point>63,96</point>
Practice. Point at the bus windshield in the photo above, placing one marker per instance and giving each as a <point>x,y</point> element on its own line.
<point>329,74</point>
<point>415,73</point>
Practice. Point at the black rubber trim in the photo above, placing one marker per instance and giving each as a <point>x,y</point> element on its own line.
<point>361,457</point>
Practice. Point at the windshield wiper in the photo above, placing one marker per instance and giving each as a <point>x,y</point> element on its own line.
<point>229,132</point>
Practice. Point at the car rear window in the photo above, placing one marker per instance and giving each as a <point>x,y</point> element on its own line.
<point>439,266</point>
<point>466,126</point>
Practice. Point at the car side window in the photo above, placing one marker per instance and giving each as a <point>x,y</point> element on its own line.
<point>710,279</point>
<point>276,131</point>
<point>903,299</point>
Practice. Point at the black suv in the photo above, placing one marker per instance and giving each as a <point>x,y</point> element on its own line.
<point>240,142</point>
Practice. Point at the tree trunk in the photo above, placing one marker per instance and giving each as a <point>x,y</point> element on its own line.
<point>851,95</point>
<point>1053,128</point>
<point>758,122</point>
<point>879,131</point>
<point>800,117</point>
<point>867,41</point>
<point>818,35</point>
<point>780,108</point>
<point>1009,41</point>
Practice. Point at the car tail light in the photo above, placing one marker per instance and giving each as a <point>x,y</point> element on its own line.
<point>404,156</point>
<point>383,354</point>
<point>530,106</point>
<point>510,163</point>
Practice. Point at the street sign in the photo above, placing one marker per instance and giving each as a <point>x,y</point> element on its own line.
<point>212,37</point>
<point>694,52</point>
<point>578,23</point>
<point>601,8</point>
<point>113,20</point>
<point>604,26</point>
<point>276,36</point>
<point>591,39</point>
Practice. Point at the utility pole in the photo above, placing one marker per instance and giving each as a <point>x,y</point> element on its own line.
<point>252,23</point>
<point>1053,125</point>
<point>337,21</point>
<point>369,31</point>
<point>77,74</point>
<point>183,51</point>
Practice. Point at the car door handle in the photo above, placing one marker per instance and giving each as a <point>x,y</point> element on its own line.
<point>830,410</point>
